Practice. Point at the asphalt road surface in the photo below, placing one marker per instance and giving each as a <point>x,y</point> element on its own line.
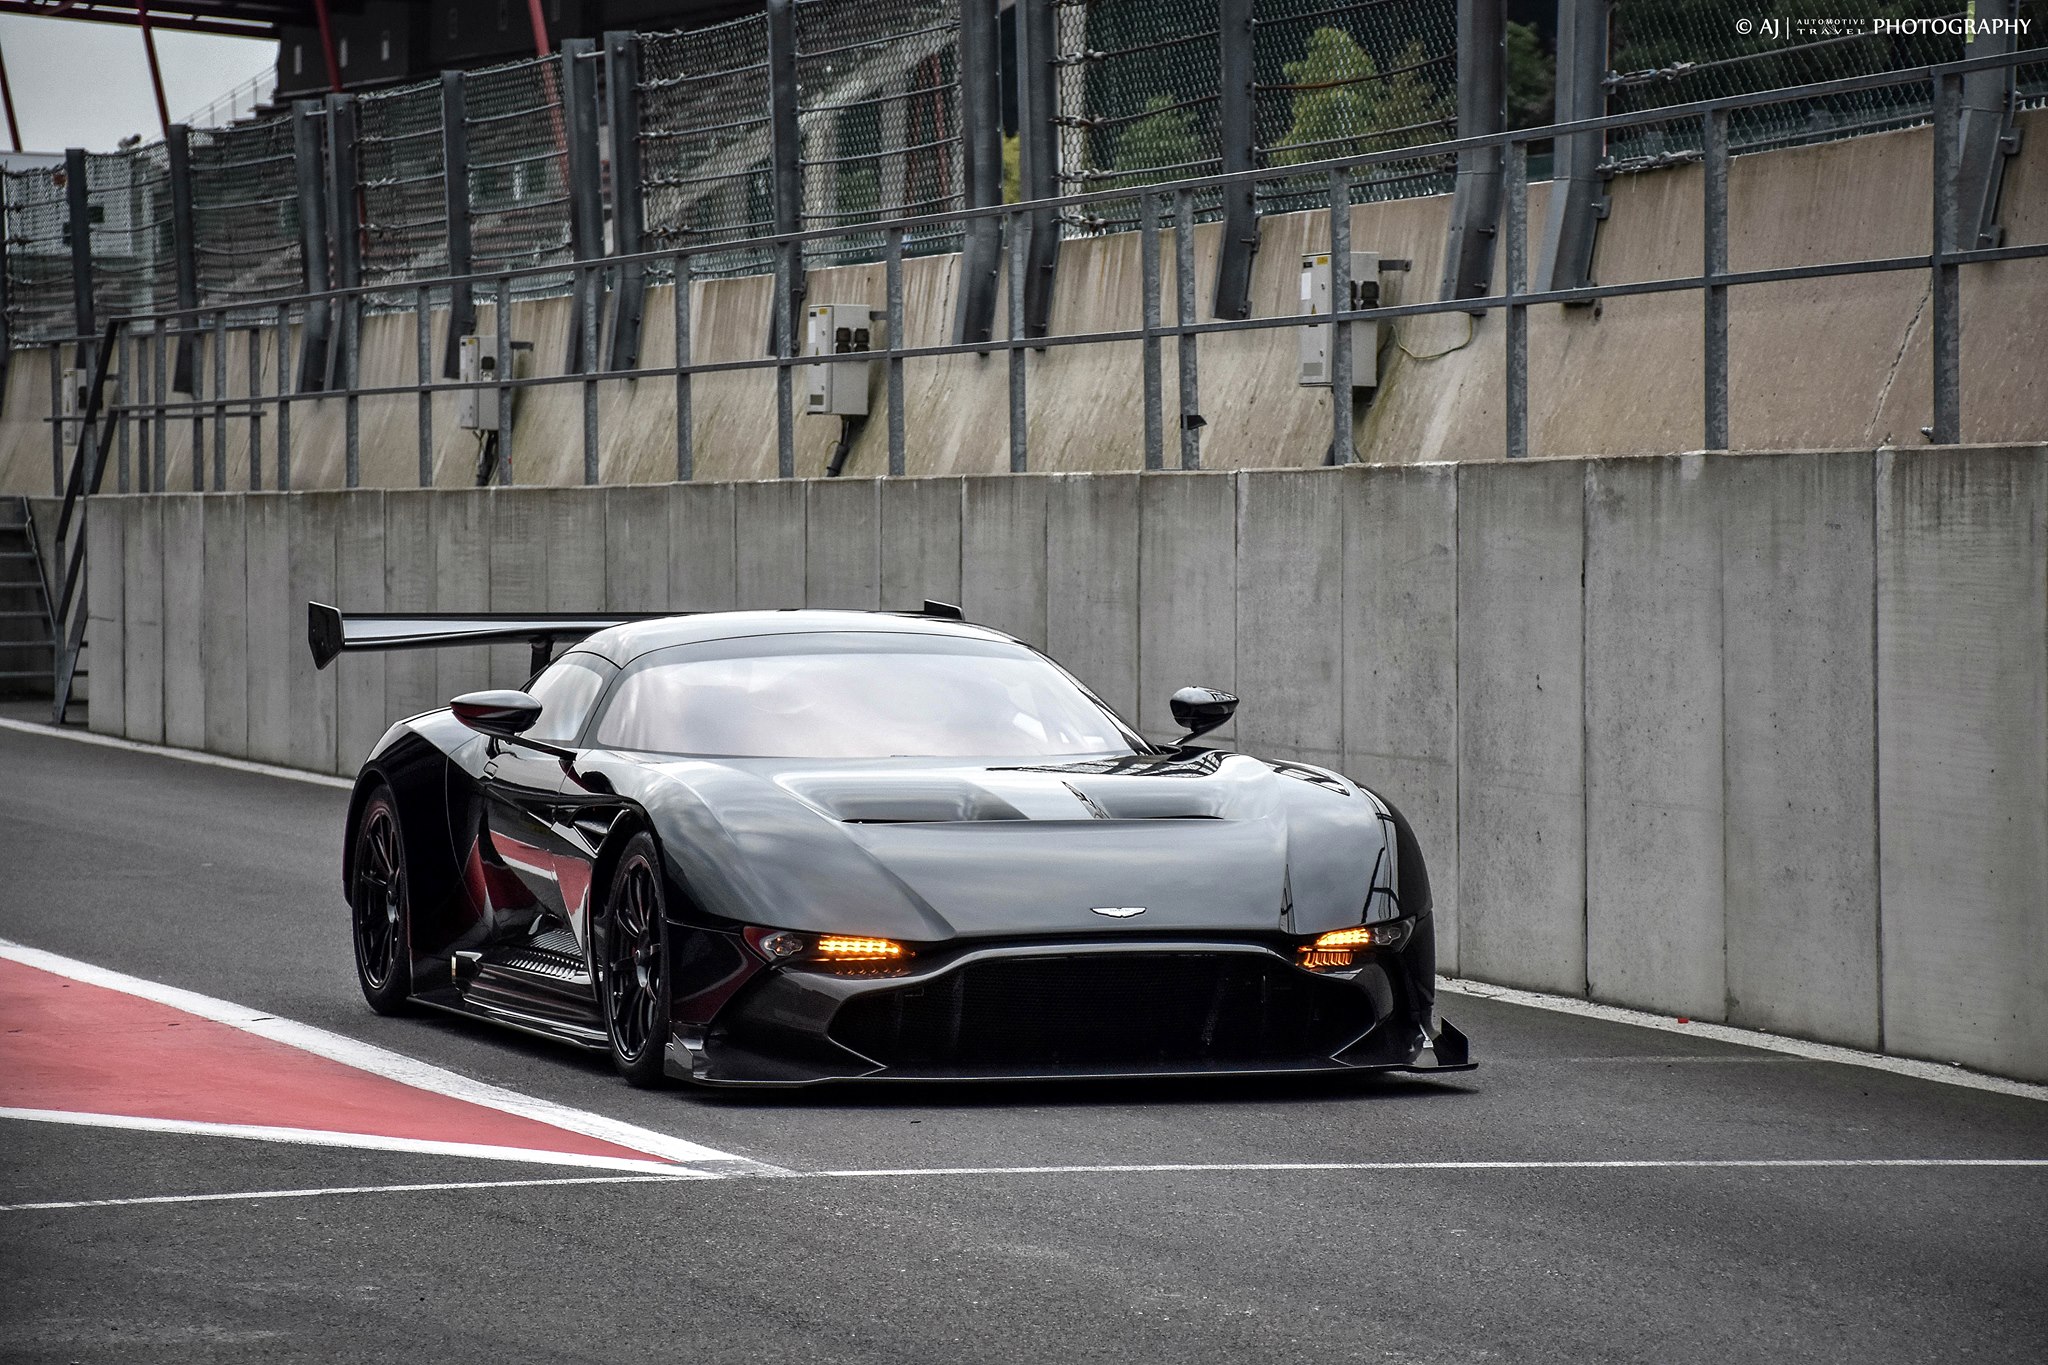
<point>951,1224</point>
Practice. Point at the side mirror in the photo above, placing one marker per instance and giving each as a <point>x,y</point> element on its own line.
<point>1198,710</point>
<point>501,715</point>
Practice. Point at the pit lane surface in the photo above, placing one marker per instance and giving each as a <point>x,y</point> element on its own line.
<point>226,883</point>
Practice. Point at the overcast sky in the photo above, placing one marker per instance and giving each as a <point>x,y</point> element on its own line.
<point>87,85</point>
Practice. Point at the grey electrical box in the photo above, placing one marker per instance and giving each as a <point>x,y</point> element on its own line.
<point>1314,368</point>
<point>71,403</point>
<point>839,389</point>
<point>477,361</point>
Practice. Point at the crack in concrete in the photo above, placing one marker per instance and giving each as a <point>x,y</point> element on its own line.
<point>1884,391</point>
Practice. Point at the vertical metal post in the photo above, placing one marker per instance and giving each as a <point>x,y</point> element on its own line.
<point>351,404</point>
<point>892,321</point>
<point>159,389</point>
<point>1986,135</point>
<point>785,347</point>
<point>1518,314</point>
<point>786,167</point>
<point>588,284</point>
<point>1020,235</point>
<point>686,454</point>
<point>1038,149</point>
<point>78,206</point>
<point>1947,428</point>
<point>455,182</point>
<point>1234,121</point>
<point>1576,203</point>
<point>284,402</point>
<point>585,174</point>
<point>125,349</point>
<point>313,330</point>
<point>1715,196</point>
<point>1482,108</point>
<point>1187,345</point>
<point>220,400</point>
<point>508,362</point>
<point>344,228</point>
<point>981,154</point>
<point>423,368</point>
<point>1343,449</point>
<point>198,412</point>
<point>57,422</point>
<point>622,108</point>
<point>253,338</point>
<point>133,366</point>
<point>184,239</point>
<point>1148,262</point>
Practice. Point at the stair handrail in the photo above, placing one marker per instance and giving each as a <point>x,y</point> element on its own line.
<point>88,469</point>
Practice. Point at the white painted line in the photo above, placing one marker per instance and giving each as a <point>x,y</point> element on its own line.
<point>1679,1164</point>
<point>185,755</point>
<point>343,1189</point>
<point>1742,1037</point>
<point>379,1061</point>
<point>1203,1168</point>
<point>317,1137</point>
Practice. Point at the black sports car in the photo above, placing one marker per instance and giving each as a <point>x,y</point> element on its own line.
<point>785,847</point>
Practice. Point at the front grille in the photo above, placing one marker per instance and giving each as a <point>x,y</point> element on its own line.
<point>1123,1011</point>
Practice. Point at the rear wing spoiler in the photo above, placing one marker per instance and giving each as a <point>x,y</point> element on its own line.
<point>332,633</point>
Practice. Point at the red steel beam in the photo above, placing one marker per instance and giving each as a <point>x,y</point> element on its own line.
<point>129,15</point>
<point>156,71</point>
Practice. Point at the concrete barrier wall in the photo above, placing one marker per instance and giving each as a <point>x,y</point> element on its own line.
<point>1754,738</point>
<point>1840,362</point>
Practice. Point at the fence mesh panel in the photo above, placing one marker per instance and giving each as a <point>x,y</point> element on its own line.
<point>1665,52</point>
<point>404,191</point>
<point>245,213</point>
<point>39,305</point>
<point>1336,80</point>
<point>1137,92</point>
<point>518,172</point>
<point>878,100</point>
<point>704,143</point>
<point>134,255</point>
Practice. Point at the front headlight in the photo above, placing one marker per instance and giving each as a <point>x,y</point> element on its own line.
<point>1341,949</point>
<point>845,954</point>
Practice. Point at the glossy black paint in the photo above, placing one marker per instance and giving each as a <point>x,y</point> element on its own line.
<point>1198,710</point>
<point>1231,862</point>
<point>504,714</point>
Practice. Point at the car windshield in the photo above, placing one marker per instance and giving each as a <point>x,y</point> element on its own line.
<point>857,695</point>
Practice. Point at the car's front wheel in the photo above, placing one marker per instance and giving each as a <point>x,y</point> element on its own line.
<point>379,910</point>
<point>633,969</point>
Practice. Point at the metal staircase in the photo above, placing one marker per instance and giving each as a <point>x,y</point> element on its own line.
<point>28,636</point>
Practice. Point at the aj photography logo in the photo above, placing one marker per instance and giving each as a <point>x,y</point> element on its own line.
<point>1807,29</point>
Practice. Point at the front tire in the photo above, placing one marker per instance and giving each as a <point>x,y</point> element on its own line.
<point>633,980</point>
<point>380,911</point>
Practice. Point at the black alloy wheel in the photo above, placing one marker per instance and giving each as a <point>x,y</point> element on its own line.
<point>634,981</point>
<point>378,907</point>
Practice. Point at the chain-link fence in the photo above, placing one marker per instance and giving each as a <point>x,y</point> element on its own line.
<point>134,259</point>
<point>1138,102</point>
<point>1137,88</point>
<point>878,100</point>
<point>1348,79</point>
<point>400,177</point>
<point>518,172</point>
<point>39,295</point>
<point>1665,52</point>
<point>704,143</point>
<point>245,213</point>
<point>1139,95</point>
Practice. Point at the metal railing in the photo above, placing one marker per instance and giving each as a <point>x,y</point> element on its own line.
<point>98,438</point>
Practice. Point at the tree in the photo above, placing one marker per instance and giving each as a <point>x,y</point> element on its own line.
<point>1532,78</point>
<point>1332,104</point>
